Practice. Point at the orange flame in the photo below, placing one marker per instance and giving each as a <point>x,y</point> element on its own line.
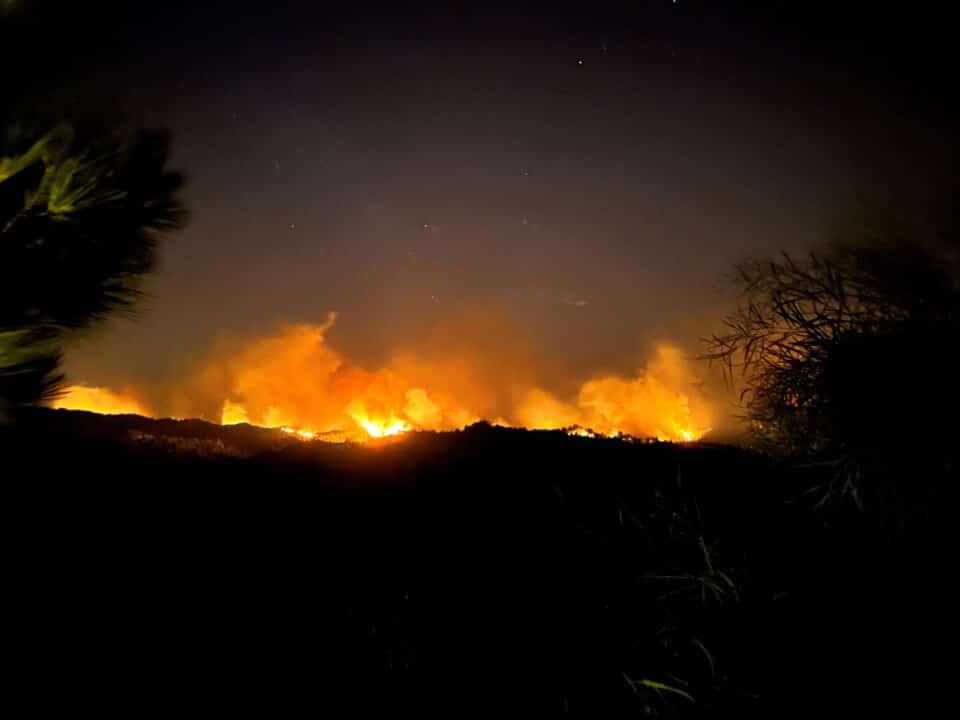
<point>100,400</point>
<point>380,428</point>
<point>294,381</point>
<point>302,434</point>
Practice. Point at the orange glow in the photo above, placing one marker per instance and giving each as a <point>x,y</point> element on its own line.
<point>294,381</point>
<point>100,400</point>
<point>302,434</point>
<point>233,414</point>
<point>379,429</point>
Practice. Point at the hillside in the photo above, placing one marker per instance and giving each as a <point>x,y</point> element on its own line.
<point>478,570</point>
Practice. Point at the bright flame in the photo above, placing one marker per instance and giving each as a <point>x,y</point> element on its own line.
<point>302,434</point>
<point>99,400</point>
<point>295,382</point>
<point>233,414</point>
<point>379,429</point>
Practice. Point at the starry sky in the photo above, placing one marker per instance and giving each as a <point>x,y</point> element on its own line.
<point>586,171</point>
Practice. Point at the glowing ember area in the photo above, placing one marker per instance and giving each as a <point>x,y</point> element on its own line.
<point>234,414</point>
<point>378,429</point>
<point>302,434</point>
<point>99,400</point>
<point>295,382</point>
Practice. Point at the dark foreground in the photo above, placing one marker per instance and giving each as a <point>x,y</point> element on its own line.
<point>186,567</point>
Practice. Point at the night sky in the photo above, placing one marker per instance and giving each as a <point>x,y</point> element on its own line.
<point>584,172</point>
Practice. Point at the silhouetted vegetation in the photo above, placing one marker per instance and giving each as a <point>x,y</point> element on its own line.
<point>847,360</point>
<point>80,210</point>
<point>458,572</point>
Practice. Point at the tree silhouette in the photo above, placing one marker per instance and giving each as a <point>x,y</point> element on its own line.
<point>848,358</point>
<point>80,212</point>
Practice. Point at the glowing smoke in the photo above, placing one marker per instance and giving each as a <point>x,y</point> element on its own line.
<point>295,380</point>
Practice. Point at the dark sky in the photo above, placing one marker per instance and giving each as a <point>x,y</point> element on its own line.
<point>587,170</point>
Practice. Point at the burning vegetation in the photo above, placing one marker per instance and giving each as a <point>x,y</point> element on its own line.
<point>294,380</point>
<point>101,400</point>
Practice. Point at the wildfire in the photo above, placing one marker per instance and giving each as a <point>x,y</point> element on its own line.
<point>235,414</point>
<point>302,434</point>
<point>379,429</point>
<point>295,382</point>
<point>100,400</point>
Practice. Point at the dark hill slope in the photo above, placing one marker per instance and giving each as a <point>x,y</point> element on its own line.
<point>486,570</point>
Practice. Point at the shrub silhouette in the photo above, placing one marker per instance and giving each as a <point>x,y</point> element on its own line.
<point>848,358</point>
